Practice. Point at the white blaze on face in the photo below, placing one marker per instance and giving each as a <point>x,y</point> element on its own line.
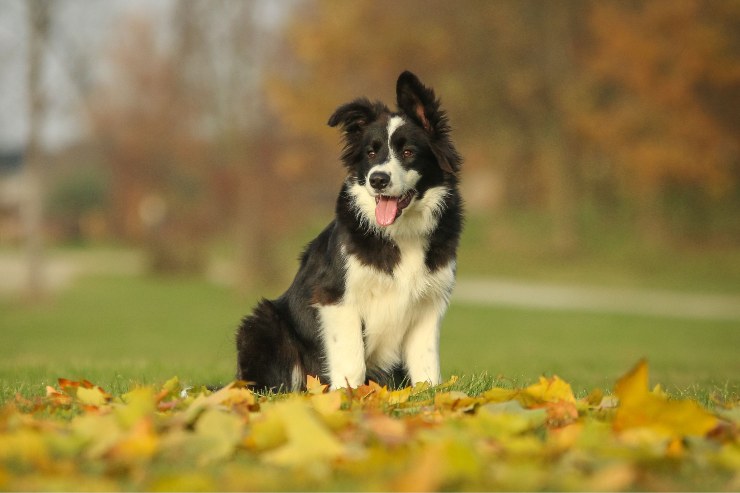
<point>401,180</point>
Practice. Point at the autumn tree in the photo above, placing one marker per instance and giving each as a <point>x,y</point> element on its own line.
<point>144,120</point>
<point>663,109</point>
<point>616,103</point>
<point>503,70</point>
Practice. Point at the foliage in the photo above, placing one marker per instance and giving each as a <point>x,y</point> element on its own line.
<point>79,437</point>
<point>618,105</point>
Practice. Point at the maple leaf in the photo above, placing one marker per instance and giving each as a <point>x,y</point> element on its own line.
<point>640,408</point>
<point>553,392</point>
<point>547,390</point>
<point>314,385</point>
<point>57,398</point>
<point>84,391</point>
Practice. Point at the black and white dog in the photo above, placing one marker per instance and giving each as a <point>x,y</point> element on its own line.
<point>372,288</point>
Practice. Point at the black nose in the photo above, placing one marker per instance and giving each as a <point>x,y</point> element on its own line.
<point>379,180</point>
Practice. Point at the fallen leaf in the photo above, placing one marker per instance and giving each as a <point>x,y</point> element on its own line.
<point>220,433</point>
<point>547,390</point>
<point>314,385</point>
<point>139,403</point>
<point>389,431</point>
<point>308,440</point>
<point>138,445</point>
<point>640,408</point>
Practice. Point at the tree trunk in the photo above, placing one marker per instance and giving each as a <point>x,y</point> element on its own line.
<point>38,28</point>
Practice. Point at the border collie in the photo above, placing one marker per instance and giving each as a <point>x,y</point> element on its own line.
<point>373,286</point>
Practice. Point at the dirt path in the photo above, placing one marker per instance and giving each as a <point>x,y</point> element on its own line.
<point>597,299</point>
<point>63,268</point>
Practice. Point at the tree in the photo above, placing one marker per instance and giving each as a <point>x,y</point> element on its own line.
<point>655,67</point>
<point>145,120</point>
<point>38,29</point>
<point>503,69</point>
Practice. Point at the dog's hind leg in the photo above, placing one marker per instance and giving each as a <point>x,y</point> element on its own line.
<point>268,356</point>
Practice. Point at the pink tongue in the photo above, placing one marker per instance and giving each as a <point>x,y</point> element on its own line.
<point>386,210</point>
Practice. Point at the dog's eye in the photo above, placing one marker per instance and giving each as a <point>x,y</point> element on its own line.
<point>371,154</point>
<point>408,153</point>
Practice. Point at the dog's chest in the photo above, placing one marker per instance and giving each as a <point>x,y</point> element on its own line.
<point>390,304</point>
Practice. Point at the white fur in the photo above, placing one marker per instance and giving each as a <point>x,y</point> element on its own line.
<point>418,219</point>
<point>296,378</point>
<point>402,179</point>
<point>393,125</point>
<point>341,330</point>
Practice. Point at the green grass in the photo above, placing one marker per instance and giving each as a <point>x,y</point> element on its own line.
<point>117,331</point>
<point>591,349</point>
<point>518,246</point>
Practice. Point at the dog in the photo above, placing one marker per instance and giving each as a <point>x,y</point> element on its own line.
<point>373,286</point>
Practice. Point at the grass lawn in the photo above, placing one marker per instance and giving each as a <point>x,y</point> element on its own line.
<point>116,331</point>
<point>592,349</point>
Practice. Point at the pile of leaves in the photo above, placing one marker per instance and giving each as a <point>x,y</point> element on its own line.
<point>78,437</point>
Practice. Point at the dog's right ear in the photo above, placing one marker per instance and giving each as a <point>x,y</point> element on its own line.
<point>355,116</point>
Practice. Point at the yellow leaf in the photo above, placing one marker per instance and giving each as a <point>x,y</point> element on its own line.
<point>100,433</point>
<point>455,401</point>
<point>138,445</point>
<point>327,404</point>
<point>138,403</point>
<point>94,396</point>
<point>220,432</point>
<point>507,419</point>
<point>498,394</point>
<point>314,385</point>
<point>640,408</point>
<point>25,447</point>
<point>399,396</point>
<point>309,440</point>
<point>266,431</point>
<point>549,390</point>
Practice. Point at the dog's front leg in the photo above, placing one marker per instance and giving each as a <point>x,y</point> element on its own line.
<point>341,329</point>
<point>421,349</point>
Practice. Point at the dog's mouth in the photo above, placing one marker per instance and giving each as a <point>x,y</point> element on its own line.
<point>387,209</point>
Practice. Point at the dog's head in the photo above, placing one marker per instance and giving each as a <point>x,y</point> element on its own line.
<point>394,159</point>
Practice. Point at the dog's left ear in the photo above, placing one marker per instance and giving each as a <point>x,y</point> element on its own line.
<point>420,104</point>
<point>416,100</point>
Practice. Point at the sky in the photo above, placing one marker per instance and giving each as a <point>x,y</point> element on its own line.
<point>78,23</point>
<point>81,28</point>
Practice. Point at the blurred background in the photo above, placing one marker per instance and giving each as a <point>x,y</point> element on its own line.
<point>163,162</point>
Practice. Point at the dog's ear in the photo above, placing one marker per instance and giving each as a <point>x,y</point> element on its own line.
<point>419,103</point>
<point>355,116</point>
<point>417,100</point>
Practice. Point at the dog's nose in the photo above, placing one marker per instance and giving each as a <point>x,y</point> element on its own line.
<point>379,180</point>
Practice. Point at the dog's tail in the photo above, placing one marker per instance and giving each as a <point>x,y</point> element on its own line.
<point>268,356</point>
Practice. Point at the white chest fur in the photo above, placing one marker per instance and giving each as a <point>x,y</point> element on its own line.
<point>389,305</point>
<point>400,314</point>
